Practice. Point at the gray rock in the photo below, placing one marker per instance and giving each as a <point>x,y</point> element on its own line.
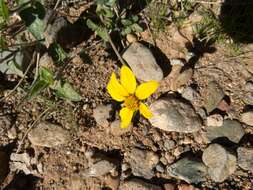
<point>99,168</point>
<point>142,62</point>
<point>159,168</point>
<point>48,135</point>
<point>142,162</point>
<point>248,98</point>
<point>221,164</point>
<point>23,162</point>
<point>247,118</point>
<point>188,170</point>
<point>101,114</point>
<point>136,184</point>
<point>245,158</point>
<point>215,120</point>
<point>231,129</point>
<point>214,95</point>
<point>174,115</point>
<point>190,94</point>
<point>4,165</point>
<point>169,144</point>
<point>249,86</point>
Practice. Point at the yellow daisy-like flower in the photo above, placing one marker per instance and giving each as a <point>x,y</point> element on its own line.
<point>126,90</point>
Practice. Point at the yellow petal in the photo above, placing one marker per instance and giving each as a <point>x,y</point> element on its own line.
<point>145,111</point>
<point>127,79</point>
<point>146,89</point>
<point>116,90</point>
<point>126,116</point>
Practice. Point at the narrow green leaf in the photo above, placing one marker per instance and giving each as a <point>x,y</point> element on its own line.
<point>46,75</point>
<point>4,11</point>
<point>65,91</point>
<point>37,88</point>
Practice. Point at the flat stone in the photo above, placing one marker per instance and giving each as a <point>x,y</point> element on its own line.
<point>213,97</point>
<point>231,129</point>
<point>142,162</point>
<point>188,170</point>
<point>171,114</point>
<point>142,62</point>
<point>101,114</point>
<point>4,165</point>
<point>245,158</point>
<point>215,120</point>
<point>99,168</point>
<point>136,184</point>
<point>48,135</point>
<point>221,164</point>
<point>247,118</point>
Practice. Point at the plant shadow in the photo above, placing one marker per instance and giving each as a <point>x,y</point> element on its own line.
<point>236,17</point>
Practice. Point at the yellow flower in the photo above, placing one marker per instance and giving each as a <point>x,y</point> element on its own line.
<point>126,90</point>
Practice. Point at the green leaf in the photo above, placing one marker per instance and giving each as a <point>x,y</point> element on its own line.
<point>33,18</point>
<point>65,91</point>
<point>4,11</point>
<point>46,75</point>
<point>37,88</point>
<point>44,80</point>
<point>136,28</point>
<point>100,31</point>
<point>58,53</point>
<point>126,22</point>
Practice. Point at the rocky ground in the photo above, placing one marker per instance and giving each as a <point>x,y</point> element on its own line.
<point>200,135</point>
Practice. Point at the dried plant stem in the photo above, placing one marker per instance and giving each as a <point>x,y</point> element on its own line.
<point>115,50</point>
<point>30,128</point>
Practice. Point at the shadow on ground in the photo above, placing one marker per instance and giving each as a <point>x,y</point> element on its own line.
<point>236,17</point>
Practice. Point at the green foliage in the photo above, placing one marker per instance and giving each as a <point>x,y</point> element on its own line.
<point>4,11</point>
<point>112,18</point>
<point>58,53</point>
<point>33,18</point>
<point>44,80</point>
<point>65,91</point>
<point>61,89</point>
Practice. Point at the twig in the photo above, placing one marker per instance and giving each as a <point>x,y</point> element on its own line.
<point>115,49</point>
<point>36,68</point>
<point>56,4</point>
<point>30,128</point>
<point>20,81</point>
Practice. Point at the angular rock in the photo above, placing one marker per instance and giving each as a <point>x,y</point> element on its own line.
<point>245,158</point>
<point>142,162</point>
<point>99,168</point>
<point>188,170</point>
<point>215,120</point>
<point>190,94</point>
<point>219,161</point>
<point>174,115</point>
<point>48,135</point>
<point>247,118</point>
<point>4,165</point>
<point>231,129</point>
<point>101,114</point>
<point>142,62</point>
<point>213,97</point>
<point>136,184</point>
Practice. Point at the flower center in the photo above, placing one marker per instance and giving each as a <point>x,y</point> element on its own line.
<point>132,102</point>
